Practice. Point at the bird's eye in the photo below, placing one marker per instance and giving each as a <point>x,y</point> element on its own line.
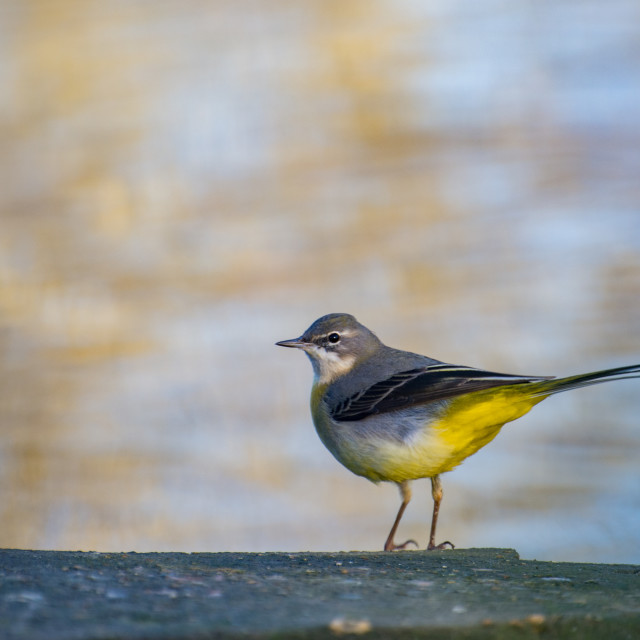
<point>334,337</point>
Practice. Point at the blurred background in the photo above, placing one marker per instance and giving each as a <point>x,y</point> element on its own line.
<point>184,183</point>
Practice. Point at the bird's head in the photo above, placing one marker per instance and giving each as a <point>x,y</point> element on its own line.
<point>335,343</point>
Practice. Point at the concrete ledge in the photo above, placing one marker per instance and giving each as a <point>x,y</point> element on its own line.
<point>473,593</point>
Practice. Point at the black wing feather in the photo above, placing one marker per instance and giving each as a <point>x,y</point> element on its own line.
<point>420,386</point>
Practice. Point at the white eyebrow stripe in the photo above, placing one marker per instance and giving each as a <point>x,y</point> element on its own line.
<point>347,333</point>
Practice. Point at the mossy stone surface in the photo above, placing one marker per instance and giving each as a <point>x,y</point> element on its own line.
<point>469,593</point>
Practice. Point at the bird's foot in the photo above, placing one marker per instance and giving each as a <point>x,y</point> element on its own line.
<point>390,545</point>
<point>441,546</point>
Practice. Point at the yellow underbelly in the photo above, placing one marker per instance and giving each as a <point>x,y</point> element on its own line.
<point>465,425</point>
<point>472,421</point>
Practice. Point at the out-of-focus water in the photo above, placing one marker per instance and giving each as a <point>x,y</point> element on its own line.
<point>187,182</point>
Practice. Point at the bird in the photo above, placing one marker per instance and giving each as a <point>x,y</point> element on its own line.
<point>395,416</point>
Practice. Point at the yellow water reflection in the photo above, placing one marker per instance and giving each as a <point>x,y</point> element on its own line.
<point>185,184</point>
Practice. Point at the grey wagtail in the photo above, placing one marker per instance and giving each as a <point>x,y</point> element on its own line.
<point>396,416</point>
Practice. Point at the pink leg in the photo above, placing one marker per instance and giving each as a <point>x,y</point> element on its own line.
<point>436,493</point>
<point>390,545</point>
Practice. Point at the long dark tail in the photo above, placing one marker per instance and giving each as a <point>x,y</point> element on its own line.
<point>549,387</point>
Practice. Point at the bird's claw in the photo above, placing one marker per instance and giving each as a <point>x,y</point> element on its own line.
<point>441,546</point>
<point>391,546</point>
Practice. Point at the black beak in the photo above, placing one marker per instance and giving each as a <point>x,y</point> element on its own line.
<point>297,343</point>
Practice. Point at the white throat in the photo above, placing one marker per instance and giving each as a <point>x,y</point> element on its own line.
<point>328,365</point>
